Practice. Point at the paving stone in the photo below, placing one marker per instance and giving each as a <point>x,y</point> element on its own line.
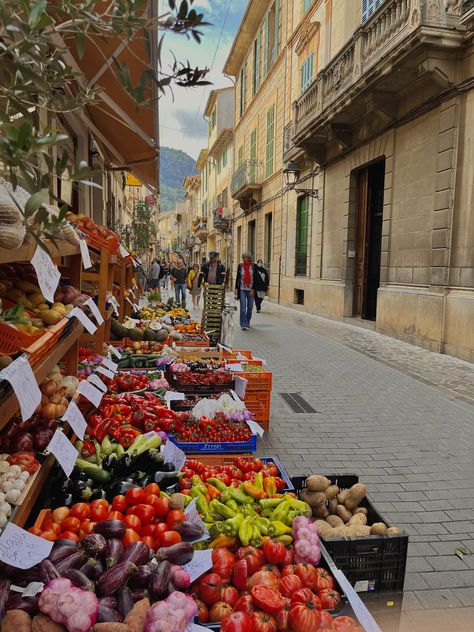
<point>438,599</point>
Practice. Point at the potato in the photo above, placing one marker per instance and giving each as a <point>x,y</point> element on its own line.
<point>323,527</point>
<point>332,506</point>
<point>343,513</point>
<point>42,623</point>
<point>320,512</point>
<point>355,496</point>
<point>359,518</point>
<point>317,483</point>
<point>332,491</point>
<point>341,497</point>
<point>378,528</point>
<point>50,316</point>
<point>110,627</point>
<point>361,510</point>
<point>314,499</point>
<point>335,521</point>
<point>393,531</point>
<point>16,621</point>
<point>338,532</point>
<point>135,619</point>
<point>358,530</point>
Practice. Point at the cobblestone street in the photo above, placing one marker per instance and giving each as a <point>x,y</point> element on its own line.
<point>399,417</point>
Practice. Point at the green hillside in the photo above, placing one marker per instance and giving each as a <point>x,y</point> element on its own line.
<point>174,166</point>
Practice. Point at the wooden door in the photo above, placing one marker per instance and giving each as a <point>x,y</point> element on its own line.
<point>362,241</point>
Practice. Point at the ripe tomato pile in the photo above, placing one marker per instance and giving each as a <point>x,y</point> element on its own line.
<point>217,429</point>
<point>125,383</point>
<point>207,377</point>
<point>147,516</point>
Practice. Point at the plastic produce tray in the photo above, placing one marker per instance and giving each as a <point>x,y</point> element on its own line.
<point>377,562</point>
<point>202,389</point>
<point>217,446</point>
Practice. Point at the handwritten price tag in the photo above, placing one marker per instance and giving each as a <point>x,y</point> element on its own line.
<point>115,352</point>
<point>110,364</point>
<point>201,562</point>
<point>95,311</point>
<point>174,455</point>
<point>106,372</point>
<point>23,381</point>
<point>65,453</point>
<point>22,549</point>
<point>240,386</point>
<point>47,273</point>
<point>96,381</point>
<point>84,319</point>
<point>235,368</point>
<point>171,396</point>
<point>90,392</point>
<point>86,257</point>
<point>75,419</point>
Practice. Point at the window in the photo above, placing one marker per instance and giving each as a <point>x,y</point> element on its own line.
<point>213,118</point>
<point>306,5</point>
<point>243,89</point>
<point>270,146</point>
<point>257,45</point>
<point>219,164</point>
<point>240,155</point>
<point>301,236</point>
<point>253,156</point>
<point>271,36</point>
<point>306,78</point>
<point>369,7</point>
<point>252,238</point>
<point>224,158</point>
<point>268,240</point>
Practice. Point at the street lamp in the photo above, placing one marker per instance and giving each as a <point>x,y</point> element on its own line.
<point>291,173</point>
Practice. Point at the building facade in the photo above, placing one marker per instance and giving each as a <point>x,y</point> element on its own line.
<point>373,103</point>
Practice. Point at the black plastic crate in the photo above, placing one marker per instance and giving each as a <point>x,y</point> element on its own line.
<point>374,563</point>
<point>202,389</point>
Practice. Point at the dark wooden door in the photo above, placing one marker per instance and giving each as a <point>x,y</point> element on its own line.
<point>361,242</point>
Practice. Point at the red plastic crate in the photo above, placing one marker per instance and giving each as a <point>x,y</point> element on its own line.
<point>258,402</point>
<point>257,381</point>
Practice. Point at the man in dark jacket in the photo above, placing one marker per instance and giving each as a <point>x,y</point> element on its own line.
<point>213,270</point>
<point>261,283</point>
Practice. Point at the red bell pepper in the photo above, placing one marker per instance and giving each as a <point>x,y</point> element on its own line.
<point>87,449</point>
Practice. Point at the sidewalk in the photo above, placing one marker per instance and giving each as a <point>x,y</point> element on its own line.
<point>400,417</point>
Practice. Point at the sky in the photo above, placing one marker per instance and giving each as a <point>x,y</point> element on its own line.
<point>182,125</point>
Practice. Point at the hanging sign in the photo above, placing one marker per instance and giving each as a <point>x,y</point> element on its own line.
<point>75,419</point>
<point>65,453</point>
<point>95,311</point>
<point>110,364</point>
<point>86,389</point>
<point>115,352</point>
<point>96,381</point>
<point>23,381</point>
<point>47,273</point>
<point>83,319</point>
<point>106,372</point>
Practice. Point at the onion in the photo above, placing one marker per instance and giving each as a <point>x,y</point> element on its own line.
<point>69,385</point>
<point>48,388</point>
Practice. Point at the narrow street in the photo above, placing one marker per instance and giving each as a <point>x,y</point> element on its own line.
<point>400,418</point>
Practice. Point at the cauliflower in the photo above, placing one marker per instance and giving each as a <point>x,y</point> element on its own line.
<point>5,509</point>
<point>13,495</point>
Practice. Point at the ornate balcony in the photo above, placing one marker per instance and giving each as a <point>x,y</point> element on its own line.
<point>246,184</point>
<point>467,12</point>
<point>396,52</point>
<point>200,228</point>
<point>222,223</point>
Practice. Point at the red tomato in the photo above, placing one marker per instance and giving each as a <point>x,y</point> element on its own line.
<point>343,624</point>
<point>324,579</point>
<point>146,513</point>
<point>289,569</point>
<point>129,537</point>
<point>69,535</point>
<point>330,599</point>
<point>237,622</point>
<point>240,575</point>
<point>87,527</point>
<point>263,622</point>
<point>267,599</point>
<point>161,527</point>
<point>71,524</point>
<point>244,604</point>
<point>149,540</point>
<point>160,504</point>
<point>100,501</point>
<point>274,552</point>
<point>273,568</point>
<point>289,584</point>
<point>80,510</point>
<point>120,503</point>
<point>168,538</point>
<point>264,578</point>
<point>230,595</point>
<point>307,573</point>
<point>152,488</point>
<point>148,529</point>
<point>135,496</point>
<point>53,526</point>
<point>250,550</point>
<point>289,556</point>
<point>326,620</point>
<point>59,514</point>
<point>281,617</point>
<point>175,517</point>
<point>203,611</point>
<point>49,535</point>
<point>210,587</point>
<point>133,522</point>
<point>305,595</point>
<point>304,616</point>
<point>219,611</point>
<point>116,515</point>
<point>34,530</point>
<point>223,562</point>
<point>99,513</point>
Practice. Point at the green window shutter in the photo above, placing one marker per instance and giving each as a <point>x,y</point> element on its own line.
<point>242,92</point>
<point>253,155</point>
<point>257,61</point>
<point>270,141</point>
<point>302,235</point>
<point>306,78</point>
<point>276,31</point>
<point>265,44</point>
<point>306,5</point>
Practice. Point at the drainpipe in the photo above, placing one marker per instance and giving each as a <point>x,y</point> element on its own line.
<point>279,278</point>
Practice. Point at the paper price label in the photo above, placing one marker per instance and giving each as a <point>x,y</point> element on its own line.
<point>136,307</point>
<point>106,372</point>
<point>115,352</point>
<point>95,311</point>
<point>22,549</point>
<point>65,453</point>
<point>75,419</point>
<point>128,301</point>
<point>195,627</point>
<point>171,396</point>
<point>132,293</point>
<point>110,364</point>
<point>86,389</point>
<point>255,428</point>
<point>123,252</point>
<point>193,516</point>
<point>47,273</point>
<point>200,564</point>
<point>240,386</point>
<point>235,368</point>
<point>174,455</point>
<point>96,381</point>
<point>85,254</point>
<point>83,319</point>
<point>33,589</point>
<point>23,381</point>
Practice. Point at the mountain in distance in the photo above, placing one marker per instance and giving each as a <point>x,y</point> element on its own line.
<point>174,166</point>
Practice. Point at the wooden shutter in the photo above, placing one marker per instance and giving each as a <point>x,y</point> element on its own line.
<point>302,235</point>
<point>265,44</point>
<point>270,141</point>
<point>276,31</point>
<point>253,155</point>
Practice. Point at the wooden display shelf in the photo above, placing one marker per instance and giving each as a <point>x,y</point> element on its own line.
<point>25,253</point>
<point>9,404</point>
<point>23,511</point>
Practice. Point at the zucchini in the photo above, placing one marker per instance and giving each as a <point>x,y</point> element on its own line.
<point>94,472</point>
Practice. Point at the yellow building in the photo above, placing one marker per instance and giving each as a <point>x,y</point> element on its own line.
<point>372,102</point>
<point>189,218</point>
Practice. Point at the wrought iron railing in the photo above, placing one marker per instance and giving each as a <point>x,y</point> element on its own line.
<point>248,173</point>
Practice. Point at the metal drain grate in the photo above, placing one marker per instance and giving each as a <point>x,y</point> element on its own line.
<point>297,403</point>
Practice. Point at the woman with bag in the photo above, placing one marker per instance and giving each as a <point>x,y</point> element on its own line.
<point>262,281</point>
<point>195,283</point>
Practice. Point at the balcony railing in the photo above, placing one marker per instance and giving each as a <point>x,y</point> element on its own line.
<point>200,226</point>
<point>247,175</point>
<point>222,223</point>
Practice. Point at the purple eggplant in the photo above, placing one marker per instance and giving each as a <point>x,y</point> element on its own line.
<point>108,602</point>
<point>137,553</point>
<point>110,529</point>
<point>108,615</point>
<point>62,548</point>
<point>139,593</point>
<point>115,578</point>
<point>114,552</point>
<point>181,553</point>
<point>160,579</point>
<point>72,561</point>
<point>92,568</point>
<point>79,579</point>
<point>16,601</point>
<point>141,577</point>
<point>48,571</point>
<point>25,577</point>
<point>94,544</point>
<point>4,594</point>
<point>124,601</point>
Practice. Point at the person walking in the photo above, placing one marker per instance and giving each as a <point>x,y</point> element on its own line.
<point>262,281</point>
<point>245,288</point>
<point>213,270</point>
<point>195,283</point>
<point>178,276</point>
<point>154,275</point>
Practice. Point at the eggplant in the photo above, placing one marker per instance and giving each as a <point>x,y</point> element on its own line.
<point>139,593</point>
<point>141,577</point>
<point>114,552</point>
<point>72,561</point>
<point>124,601</point>
<point>4,594</point>
<point>180,553</point>
<point>92,568</point>
<point>48,571</point>
<point>108,602</point>
<point>150,461</point>
<point>115,578</point>
<point>123,466</point>
<point>108,615</point>
<point>160,579</point>
<point>79,579</point>
<point>189,531</point>
<point>61,549</point>
<point>16,601</point>
<point>138,553</point>
<point>110,529</point>
<point>119,488</point>
<point>97,494</point>
<point>25,577</point>
<point>109,462</point>
<point>94,544</point>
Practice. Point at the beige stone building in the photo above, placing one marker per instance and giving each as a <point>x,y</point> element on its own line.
<point>374,104</point>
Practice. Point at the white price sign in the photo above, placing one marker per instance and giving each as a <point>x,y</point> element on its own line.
<point>75,419</point>
<point>255,428</point>
<point>174,455</point>
<point>96,381</point>
<point>240,386</point>
<point>95,311</point>
<point>200,564</point>
<point>83,319</point>
<point>23,381</point>
<point>90,392</point>
<point>235,368</point>
<point>123,252</point>
<point>110,364</point>
<point>171,396</point>
<point>106,372</point>
<point>65,453</point>
<point>86,258</point>
<point>47,273</point>
<point>22,549</point>
<point>115,352</point>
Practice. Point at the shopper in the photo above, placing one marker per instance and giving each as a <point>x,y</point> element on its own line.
<point>154,275</point>
<point>213,270</point>
<point>195,283</point>
<point>262,281</point>
<point>178,276</point>
<point>245,288</point>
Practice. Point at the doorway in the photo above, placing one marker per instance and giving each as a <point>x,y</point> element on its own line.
<point>369,220</point>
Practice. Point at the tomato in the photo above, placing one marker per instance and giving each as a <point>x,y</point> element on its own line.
<point>168,538</point>
<point>274,552</point>
<point>152,488</point>
<point>100,501</point>
<point>129,537</point>
<point>34,530</point>
<point>160,528</point>
<point>59,514</point>
<point>222,562</point>
<point>326,620</point>
<point>264,578</point>
<point>87,527</point>
<point>133,522</point>
<point>210,587</point>
<point>307,573</point>
<point>290,584</point>
<point>219,611</point>
<point>71,524</point>
<point>289,569</point>
<point>80,510</point>
<point>135,496</point>
<point>148,529</point>
<point>289,556</point>
<point>305,595</point>
<point>49,535</point>
<point>263,622</point>
<point>203,611</point>
<point>99,513</point>
<point>344,624</point>
<point>237,622</point>
<point>69,535</point>
<point>324,579</point>
<point>281,617</point>
<point>267,599</point>
<point>244,604</point>
<point>116,515</point>
<point>175,517</point>
<point>250,550</point>
<point>160,504</point>
<point>304,616</point>
<point>230,595</point>
<point>240,574</point>
<point>149,540</point>
<point>119,503</point>
<point>330,599</point>
<point>145,513</point>
<point>53,526</point>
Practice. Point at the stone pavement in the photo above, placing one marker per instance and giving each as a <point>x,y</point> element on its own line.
<point>399,417</point>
